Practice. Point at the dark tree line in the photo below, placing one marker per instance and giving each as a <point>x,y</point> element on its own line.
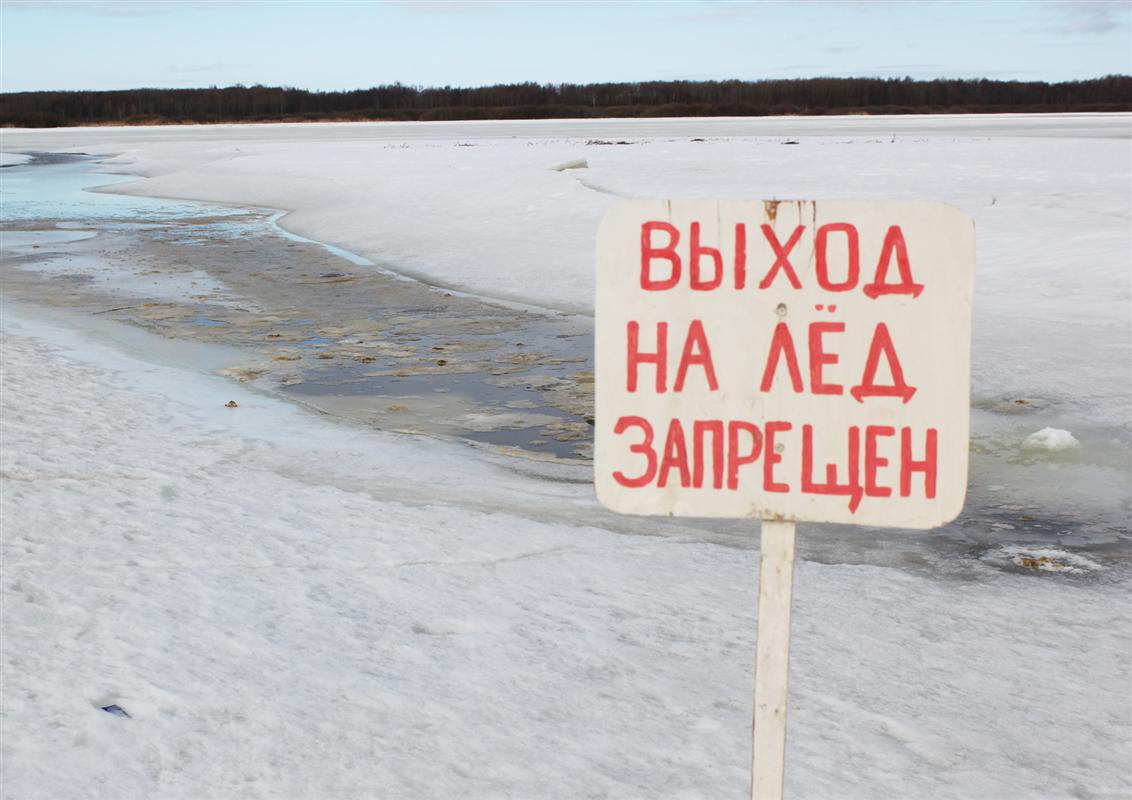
<point>533,101</point>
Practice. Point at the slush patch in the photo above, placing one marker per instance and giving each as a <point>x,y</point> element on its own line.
<point>116,710</point>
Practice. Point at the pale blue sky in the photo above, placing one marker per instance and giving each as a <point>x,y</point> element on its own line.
<point>118,44</point>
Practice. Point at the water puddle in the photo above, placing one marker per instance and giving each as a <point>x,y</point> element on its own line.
<point>320,325</point>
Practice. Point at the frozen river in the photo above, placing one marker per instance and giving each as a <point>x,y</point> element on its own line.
<point>418,581</point>
<point>346,333</point>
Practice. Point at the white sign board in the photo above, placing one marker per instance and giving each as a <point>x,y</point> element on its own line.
<point>784,360</point>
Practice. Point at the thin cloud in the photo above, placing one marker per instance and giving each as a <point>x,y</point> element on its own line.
<point>917,71</point>
<point>908,66</point>
<point>218,66</point>
<point>1089,16</point>
<point>445,6</point>
<point>805,67</point>
<point>121,8</point>
<point>717,11</point>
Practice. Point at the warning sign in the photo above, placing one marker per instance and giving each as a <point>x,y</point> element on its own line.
<point>784,360</point>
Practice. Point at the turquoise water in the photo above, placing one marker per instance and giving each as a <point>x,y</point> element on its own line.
<point>63,193</point>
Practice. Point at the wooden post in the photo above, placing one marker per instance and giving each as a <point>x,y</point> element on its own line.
<point>772,662</point>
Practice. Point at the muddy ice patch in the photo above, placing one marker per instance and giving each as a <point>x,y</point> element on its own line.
<point>1043,560</point>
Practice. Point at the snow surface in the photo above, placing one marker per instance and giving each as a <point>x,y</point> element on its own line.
<point>12,159</point>
<point>290,608</point>
<point>391,191</point>
<point>1049,195</point>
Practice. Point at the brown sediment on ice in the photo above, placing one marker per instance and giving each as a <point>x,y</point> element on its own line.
<point>348,339</point>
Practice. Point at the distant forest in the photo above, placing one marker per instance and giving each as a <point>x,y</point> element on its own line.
<point>810,96</point>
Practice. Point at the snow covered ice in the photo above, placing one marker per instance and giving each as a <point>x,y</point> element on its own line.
<point>287,606</point>
<point>1051,439</point>
<point>12,159</point>
<point>283,610</point>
